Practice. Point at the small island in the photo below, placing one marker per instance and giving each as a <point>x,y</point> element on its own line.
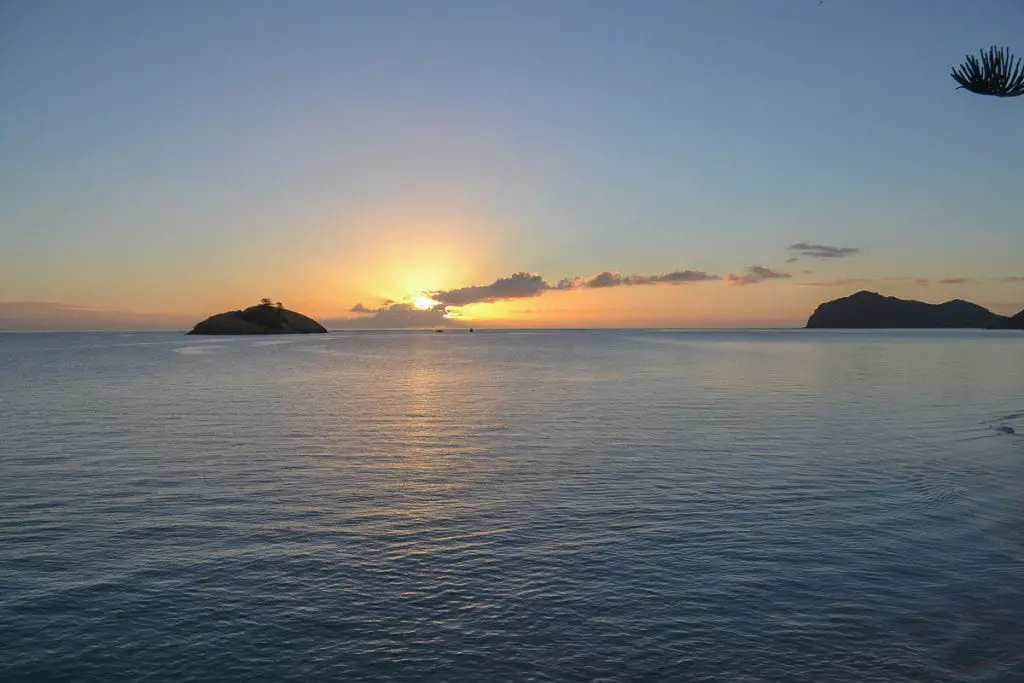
<point>872,310</point>
<point>264,318</point>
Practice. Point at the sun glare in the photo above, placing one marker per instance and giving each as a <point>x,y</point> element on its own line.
<point>424,303</point>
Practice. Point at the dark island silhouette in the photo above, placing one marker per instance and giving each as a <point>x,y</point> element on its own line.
<point>1015,322</point>
<point>265,318</point>
<point>872,310</point>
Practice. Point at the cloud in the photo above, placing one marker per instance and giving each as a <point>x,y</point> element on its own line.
<point>681,276</point>
<point>568,283</point>
<point>393,316</point>
<point>754,275</point>
<point>612,279</point>
<point>525,285</point>
<point>822,250</point>
<point>1011,278</point>
<point>767,273</point>
<point>516,286</point>
<point>792,259</point>
<point>520,285</point>
<point>953,281</point>
<point>605,279</point>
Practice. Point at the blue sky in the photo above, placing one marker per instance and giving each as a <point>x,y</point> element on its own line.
<point>154,155</point>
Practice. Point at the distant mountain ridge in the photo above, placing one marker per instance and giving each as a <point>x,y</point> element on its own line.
<point>872,310</point>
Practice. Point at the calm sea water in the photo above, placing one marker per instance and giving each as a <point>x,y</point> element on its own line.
<point>567,506</point>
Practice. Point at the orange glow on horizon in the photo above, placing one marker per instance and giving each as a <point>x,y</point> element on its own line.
<point>404,255</point>
<point>713,304</point>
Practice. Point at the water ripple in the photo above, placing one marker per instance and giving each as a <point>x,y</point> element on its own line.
<point>547,507</point>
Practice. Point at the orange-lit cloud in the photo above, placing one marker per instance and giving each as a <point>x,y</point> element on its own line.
<point>754,275</point>
<point>610,278</point>
<point>516,286</point>
<point>396,315</point>
<point>453,303</point>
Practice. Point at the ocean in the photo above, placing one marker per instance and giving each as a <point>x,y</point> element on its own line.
<point>788,505</point>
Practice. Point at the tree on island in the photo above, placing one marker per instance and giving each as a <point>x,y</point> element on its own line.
<point>998,73</point>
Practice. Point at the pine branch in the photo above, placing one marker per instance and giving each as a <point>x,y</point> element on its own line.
<point>998,73</point>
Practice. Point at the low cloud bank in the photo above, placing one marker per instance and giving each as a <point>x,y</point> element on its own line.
<point>46,315</point>
<point>393,316</point>
<point>754,275</point>
<point>520,285</point>
<point>920,281</point>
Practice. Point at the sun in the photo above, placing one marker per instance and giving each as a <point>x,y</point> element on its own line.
<point>423,303</point>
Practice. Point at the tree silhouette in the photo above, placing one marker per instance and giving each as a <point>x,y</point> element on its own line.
<point>997,74</point>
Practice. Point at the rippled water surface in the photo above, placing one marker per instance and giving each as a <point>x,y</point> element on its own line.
<point>617,506</point>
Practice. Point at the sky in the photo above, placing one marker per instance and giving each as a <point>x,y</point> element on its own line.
<point>541,163</point>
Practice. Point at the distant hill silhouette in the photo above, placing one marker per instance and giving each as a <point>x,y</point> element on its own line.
<point>872,310</point>
<point>261,319</point>
<point>1016,322</point>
